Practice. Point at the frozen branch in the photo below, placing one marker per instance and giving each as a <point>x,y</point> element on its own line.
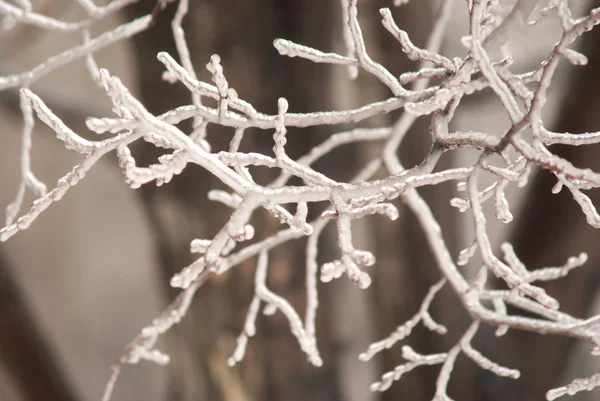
<point>404,330</point>
<point>508,159</point>
<point>576,386</point>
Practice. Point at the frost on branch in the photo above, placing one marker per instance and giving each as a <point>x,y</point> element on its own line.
<point>508,160</point>
<point>577,385</point>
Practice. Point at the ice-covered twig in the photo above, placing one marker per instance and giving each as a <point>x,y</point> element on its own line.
<point>282,305</point>
<point>482,361</point>
<point>405,329</point>
<point>576,386</point>
<point>522,146</point>
<point>545,274</point>
<point>68,56</point>
<point>373,68</point>
<point>415,360</point>
<point>291,49</point>
<point>413,52</point>
<point>495,265</point>
<point>25,15</point>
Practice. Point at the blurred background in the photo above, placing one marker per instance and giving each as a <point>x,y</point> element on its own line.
<point>93,269</point>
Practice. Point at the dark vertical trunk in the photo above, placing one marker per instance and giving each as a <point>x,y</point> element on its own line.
<point>240,32</point>
<point>406,268</point>
<point>24,354</point>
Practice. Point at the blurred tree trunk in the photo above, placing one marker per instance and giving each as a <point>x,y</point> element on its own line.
<point>550,229</point>
<point>405,267</point>
<point>28,369</point>
<point>274,367</point>
<point>241,33</point>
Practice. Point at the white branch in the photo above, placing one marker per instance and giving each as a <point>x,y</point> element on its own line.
<point>521,147</point>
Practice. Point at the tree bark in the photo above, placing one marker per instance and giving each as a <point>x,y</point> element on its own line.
<point>274,367</point>
<point>405,267</point>
<point>26,360</point>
